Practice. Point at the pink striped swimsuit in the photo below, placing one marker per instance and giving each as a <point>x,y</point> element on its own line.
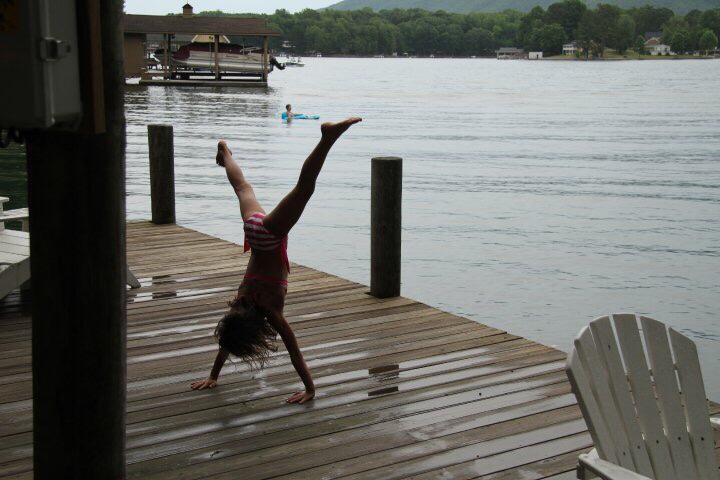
<point>257,237</point>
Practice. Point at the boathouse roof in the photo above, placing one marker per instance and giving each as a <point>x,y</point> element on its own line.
<point>197,25</point>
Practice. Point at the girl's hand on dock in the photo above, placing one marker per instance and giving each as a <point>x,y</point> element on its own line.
<point>300,397</point>
<point>202,384</point>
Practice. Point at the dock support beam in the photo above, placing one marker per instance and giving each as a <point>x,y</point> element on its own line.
<point>216,39</point>
<point>265,60</point>
<point>162,173</point>
<point>76,193</point>
<point>385,226</point>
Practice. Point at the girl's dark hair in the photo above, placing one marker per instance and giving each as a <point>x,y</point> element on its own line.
<point>248,336</point>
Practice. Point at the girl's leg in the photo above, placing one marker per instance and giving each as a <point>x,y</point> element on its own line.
<point>243,189</point>
<point>288,211</point>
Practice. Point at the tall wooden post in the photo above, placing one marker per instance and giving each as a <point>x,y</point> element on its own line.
<point>385,226</point>
<point>265,61</point>
<point>217,57</point>
<point>162,173</point>
<point>78,266</point>
<point>166,57</point>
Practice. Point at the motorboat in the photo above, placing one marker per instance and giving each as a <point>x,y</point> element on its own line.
<point>200,55</point>
<point>293,62</point>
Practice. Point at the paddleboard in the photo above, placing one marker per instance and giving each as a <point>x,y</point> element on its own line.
<point>301,117</point>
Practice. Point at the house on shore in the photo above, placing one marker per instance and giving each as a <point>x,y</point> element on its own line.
<point>570,49</point>
<point>654,46</point>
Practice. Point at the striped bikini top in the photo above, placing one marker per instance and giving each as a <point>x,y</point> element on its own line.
<point>257,237</point>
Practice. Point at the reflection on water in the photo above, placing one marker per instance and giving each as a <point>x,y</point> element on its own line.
<point>537,195</point>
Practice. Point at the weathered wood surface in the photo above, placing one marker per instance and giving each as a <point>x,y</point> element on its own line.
<point>404,390</point>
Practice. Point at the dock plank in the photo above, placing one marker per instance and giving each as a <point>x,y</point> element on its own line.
<point>404,390</point>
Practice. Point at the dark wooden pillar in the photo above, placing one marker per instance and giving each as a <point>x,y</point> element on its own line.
<point>217,57</point>
<point>76,193</point>
<point>166,57</point>
<point>385,226</point>
<point>265,61</point>
<point>162,173</point>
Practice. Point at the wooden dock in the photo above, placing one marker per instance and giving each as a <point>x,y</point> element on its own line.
<point>404,390</point>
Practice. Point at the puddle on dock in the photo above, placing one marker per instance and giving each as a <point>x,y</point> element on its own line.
<point>168,280</point>
<point>383,391</point>
<point>384,373</point>
<point>179,293</point>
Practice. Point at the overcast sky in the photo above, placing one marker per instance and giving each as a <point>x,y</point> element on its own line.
<point>162,7</point>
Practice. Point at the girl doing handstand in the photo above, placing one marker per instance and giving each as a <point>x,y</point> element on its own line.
<point>249,329</point>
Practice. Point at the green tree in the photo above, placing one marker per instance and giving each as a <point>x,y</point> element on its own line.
<point>531,22</point>
<point>640,45</point>
<point>606,17</point>
<point>680,42</point>
<point>587,32</point>
<point>693,18</point>
<point>478,41</point>
<point>567,14</point>
<point>708,41</point>
<point>710,19</point>
<point>673,25</point>
<point>650,19</point>
<point>450,41</point>
<point>623,33</point>
<point>597,28</point>
<point>549,39</point>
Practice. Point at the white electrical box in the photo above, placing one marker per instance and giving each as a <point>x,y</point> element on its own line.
<point>39,68</point>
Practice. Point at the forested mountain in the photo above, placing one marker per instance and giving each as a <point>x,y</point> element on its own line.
<point>467,6</point>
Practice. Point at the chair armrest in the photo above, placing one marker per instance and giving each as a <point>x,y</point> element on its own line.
<point>607,470</point>
<point>17,214</point>
<point>20,215</point>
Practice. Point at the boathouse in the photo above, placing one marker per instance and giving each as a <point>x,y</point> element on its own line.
<point>510,53</point>
<point>176,30</point>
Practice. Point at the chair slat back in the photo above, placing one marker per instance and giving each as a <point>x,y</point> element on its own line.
<point>590,409</point>
<point>696,405</point>
<point>638,372</point>
<point>618,382</point>
<point>665,437</point>
<point>668,393</point>
<point>599,382</point>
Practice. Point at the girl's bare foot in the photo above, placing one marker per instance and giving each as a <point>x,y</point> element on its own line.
<point>223,151</point>
<point>332,131</point>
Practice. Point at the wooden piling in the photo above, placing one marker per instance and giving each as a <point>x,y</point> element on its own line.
<point>162,173</point>
<point>385,228</point>
<point>78,266</point>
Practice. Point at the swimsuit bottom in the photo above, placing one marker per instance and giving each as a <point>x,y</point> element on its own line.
<point>257,237</point>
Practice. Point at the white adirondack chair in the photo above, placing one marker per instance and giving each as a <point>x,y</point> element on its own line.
<point>643,400</point>
<point>15,252</point>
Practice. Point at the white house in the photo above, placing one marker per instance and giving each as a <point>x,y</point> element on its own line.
<point>535,55</point>
<point>654,46</point>
<point>570,49</point>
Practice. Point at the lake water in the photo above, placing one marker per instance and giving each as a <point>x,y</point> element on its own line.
<point>536,195</point>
